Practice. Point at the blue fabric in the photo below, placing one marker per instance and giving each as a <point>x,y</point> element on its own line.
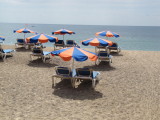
<point>20,40</point>
<point>101,42</point>
<point>2,38</point>
<point>114,45</point>
<point>78,55</point>
<point>95,73</point>
<point>36,38</point>
<point>25,30</point>
<point>70,42</point>
<point>59,51</point>
<point>63,31</point>
<point>59,42</point>
<point>46,53</point>
<point>7,50</point>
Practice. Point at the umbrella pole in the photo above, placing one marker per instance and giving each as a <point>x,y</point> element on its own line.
<point>72,63</point>
<point>96,53</point>
<point>24,36</point>
<point>63,37</point>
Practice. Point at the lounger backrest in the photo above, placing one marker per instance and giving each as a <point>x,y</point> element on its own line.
<point>60,42</point>
<point>84,72</point>
<point>37,50</point>
<point>20,40</point>
<point>114,45</point>
<point>70,42</point>
<point>63,71</point>
<point>103,53</point>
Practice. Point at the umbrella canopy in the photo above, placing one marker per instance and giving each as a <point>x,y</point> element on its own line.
<point>107,34</point>
<point>2,38</point>
<point>77,54</point>
<point>63,32</point>
<point>42,38</point>
<point>23,30</point>
<point>96,42</point>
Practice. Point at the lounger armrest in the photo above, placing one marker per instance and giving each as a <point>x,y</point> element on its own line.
<point>110,56</point>
<point>73,73</point>
<point>46,53</point>
<point>95,74</point>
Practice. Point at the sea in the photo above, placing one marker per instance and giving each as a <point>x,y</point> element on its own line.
<point>143,38</point>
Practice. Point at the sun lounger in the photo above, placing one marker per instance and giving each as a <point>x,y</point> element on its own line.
<point>60,44</point>
<point>104,56</point>
<point>114,47</point>
<point>5,52</point>
<point>62,73</point>
<point>86,74</point>
<point>38,52</point>
<point>70,43</point>
<point>20,43</point>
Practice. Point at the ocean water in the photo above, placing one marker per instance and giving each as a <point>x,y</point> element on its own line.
<point>146,38</point>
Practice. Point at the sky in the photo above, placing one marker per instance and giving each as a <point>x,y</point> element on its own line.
<point>81,12</point>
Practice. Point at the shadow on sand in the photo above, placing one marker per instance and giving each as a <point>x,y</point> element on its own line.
<point>116,54</point>
<point>8,56</point>
<point>22,49</point>
<point>102,66</point>
<point>84,91</point>
<point>39,63</point>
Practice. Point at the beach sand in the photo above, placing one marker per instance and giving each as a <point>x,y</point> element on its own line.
<point>129,89</point>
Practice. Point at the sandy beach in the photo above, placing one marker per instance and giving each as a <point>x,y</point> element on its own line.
<point>129,89</point>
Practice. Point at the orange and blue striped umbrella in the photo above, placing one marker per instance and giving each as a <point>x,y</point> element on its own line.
<point>63,32</point>
<point>23,30</point>
<point>107,34</point>
<point>42,38</point>
<point>96,42</point>
<point>77,54</point>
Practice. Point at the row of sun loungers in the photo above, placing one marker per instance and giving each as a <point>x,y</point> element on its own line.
<point>60,43</point>
<point>76,76</point>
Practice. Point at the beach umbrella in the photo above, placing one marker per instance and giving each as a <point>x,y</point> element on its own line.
<point>42,38</point>
<point>63,32</point>
<point>107,34</point>
<point>76,53</point>
<point>23,30</point>
<point>96,42</point>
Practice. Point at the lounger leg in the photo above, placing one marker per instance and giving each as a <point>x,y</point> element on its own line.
<point>4,56</point>
<point>93,83</point>
<point>30,57</point>
<point>44,59</point>
<point>53,82</point>
<point>76,83</point>
<point>110,61</point>
<point>73,83</point>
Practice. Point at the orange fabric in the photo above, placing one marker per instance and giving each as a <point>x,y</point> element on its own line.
<point>43,39</point>
<point>67,55</point>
